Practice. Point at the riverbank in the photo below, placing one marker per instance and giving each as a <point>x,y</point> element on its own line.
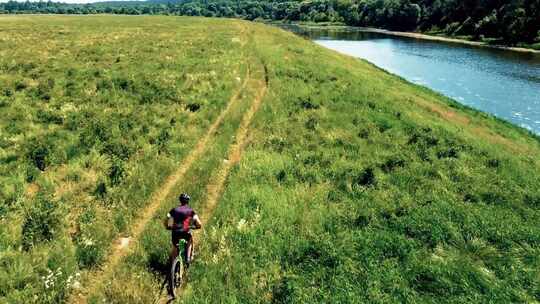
<point>411,35</point>
<point>447,39</point>
<point>476,77</point>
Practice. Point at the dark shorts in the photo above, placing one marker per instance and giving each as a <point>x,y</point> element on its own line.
<point>179,235</point>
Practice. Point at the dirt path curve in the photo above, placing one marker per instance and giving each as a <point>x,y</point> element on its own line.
<point>121,246</point>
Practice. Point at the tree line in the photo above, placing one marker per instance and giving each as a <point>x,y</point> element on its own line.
<point>505,21</point>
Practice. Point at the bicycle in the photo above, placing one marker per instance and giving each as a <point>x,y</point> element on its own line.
<point>179,267</point>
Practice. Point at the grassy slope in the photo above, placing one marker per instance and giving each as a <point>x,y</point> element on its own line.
<point>356,186</point>
<point>450,212</point>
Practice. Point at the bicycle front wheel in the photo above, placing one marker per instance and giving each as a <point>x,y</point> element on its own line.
<point>176,276</point>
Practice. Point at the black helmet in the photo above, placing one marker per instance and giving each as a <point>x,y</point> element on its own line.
<point>184,198</point>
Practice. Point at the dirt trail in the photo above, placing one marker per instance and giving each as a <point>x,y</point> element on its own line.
<point>216,186</point>
<point>235,154</point>
<point>122,245</point>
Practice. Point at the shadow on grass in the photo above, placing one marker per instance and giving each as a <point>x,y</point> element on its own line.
<point>157,266</point>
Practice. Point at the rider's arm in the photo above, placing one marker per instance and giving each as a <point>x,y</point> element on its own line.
<point>197,221</point>
<point>168,222</point>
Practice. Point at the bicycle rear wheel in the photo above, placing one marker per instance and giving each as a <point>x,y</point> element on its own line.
<point>176,276</point>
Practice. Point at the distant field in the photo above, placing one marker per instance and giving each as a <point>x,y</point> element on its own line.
<point>346,185</point>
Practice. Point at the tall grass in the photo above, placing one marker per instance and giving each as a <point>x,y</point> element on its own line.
<point>96,113</point>
<point>359,187</point>
<point>355,187</point>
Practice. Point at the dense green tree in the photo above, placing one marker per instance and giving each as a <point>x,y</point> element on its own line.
<point>510,21</point>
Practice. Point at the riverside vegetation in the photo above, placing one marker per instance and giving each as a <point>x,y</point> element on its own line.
<point>509,22</point>
<point>354,186</point>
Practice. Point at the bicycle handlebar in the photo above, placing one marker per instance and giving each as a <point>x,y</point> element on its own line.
<point>193,227</point>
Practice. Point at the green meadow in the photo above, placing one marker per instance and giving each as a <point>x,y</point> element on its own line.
<point>354,186</point>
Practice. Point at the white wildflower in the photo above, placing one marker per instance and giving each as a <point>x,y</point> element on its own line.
<point>68,107</point>
<point>241,225</point>
<point>256,217</point>
<point>76,285</point>
<point>88,242</point>
<point>223,250</point>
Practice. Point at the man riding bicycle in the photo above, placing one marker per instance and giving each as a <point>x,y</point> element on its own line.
<point>180,220</point>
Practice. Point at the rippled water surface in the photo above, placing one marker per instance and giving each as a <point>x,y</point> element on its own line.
<point>504,83</point>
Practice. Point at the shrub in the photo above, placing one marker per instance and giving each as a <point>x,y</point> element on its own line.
<point>7,92</point>
<point>193,107</point>
<point>49,117</point>
<point>309,104</point>
<point>532,200</point>
<point>118,148</point>
<point>162,139</point>
<point>366,178</point>
<point>448,153</point>
<point>312,123</point>
<point>383,125</point>
<point>424,138</point>
<point>116,172</point>
<point>71,88</point>
<point>20,85</point>
<point>103,85</point>
<point>392,163</point>
<point>281,176</point>
<point>31,173</point>
<point>94,131</point>
<point>277,144</point>
<point>42,220</point>
<point>470,198</point>
<point>451,28</point>
<point>42,91</point>
<point>123,84</point>
<point>362,220</point>
<point>283,291</point>
<point>101,190</point>
<point>88,254</point>
<point>39,154</point>
<point>90,248</point>
<point>493,163</point>
<point>364,133</point>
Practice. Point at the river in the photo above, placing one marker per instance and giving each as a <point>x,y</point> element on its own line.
<point>501,82</point>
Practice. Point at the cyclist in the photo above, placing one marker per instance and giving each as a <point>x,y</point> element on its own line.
<point>180,220</point>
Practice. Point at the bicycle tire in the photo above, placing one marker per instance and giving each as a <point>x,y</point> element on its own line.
<point>176,276</point>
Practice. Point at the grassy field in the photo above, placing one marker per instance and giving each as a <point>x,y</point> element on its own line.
<point>354,186</point>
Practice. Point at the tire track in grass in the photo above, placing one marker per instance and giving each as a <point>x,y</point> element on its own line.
<point>215,189</point>
<point>121,246</point>
<point>217,185</point>
<point>217,182</point>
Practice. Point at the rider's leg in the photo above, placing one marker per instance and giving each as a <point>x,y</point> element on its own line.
<point>174,250</point>
<point>174,254</point>
<point>189,249</point>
